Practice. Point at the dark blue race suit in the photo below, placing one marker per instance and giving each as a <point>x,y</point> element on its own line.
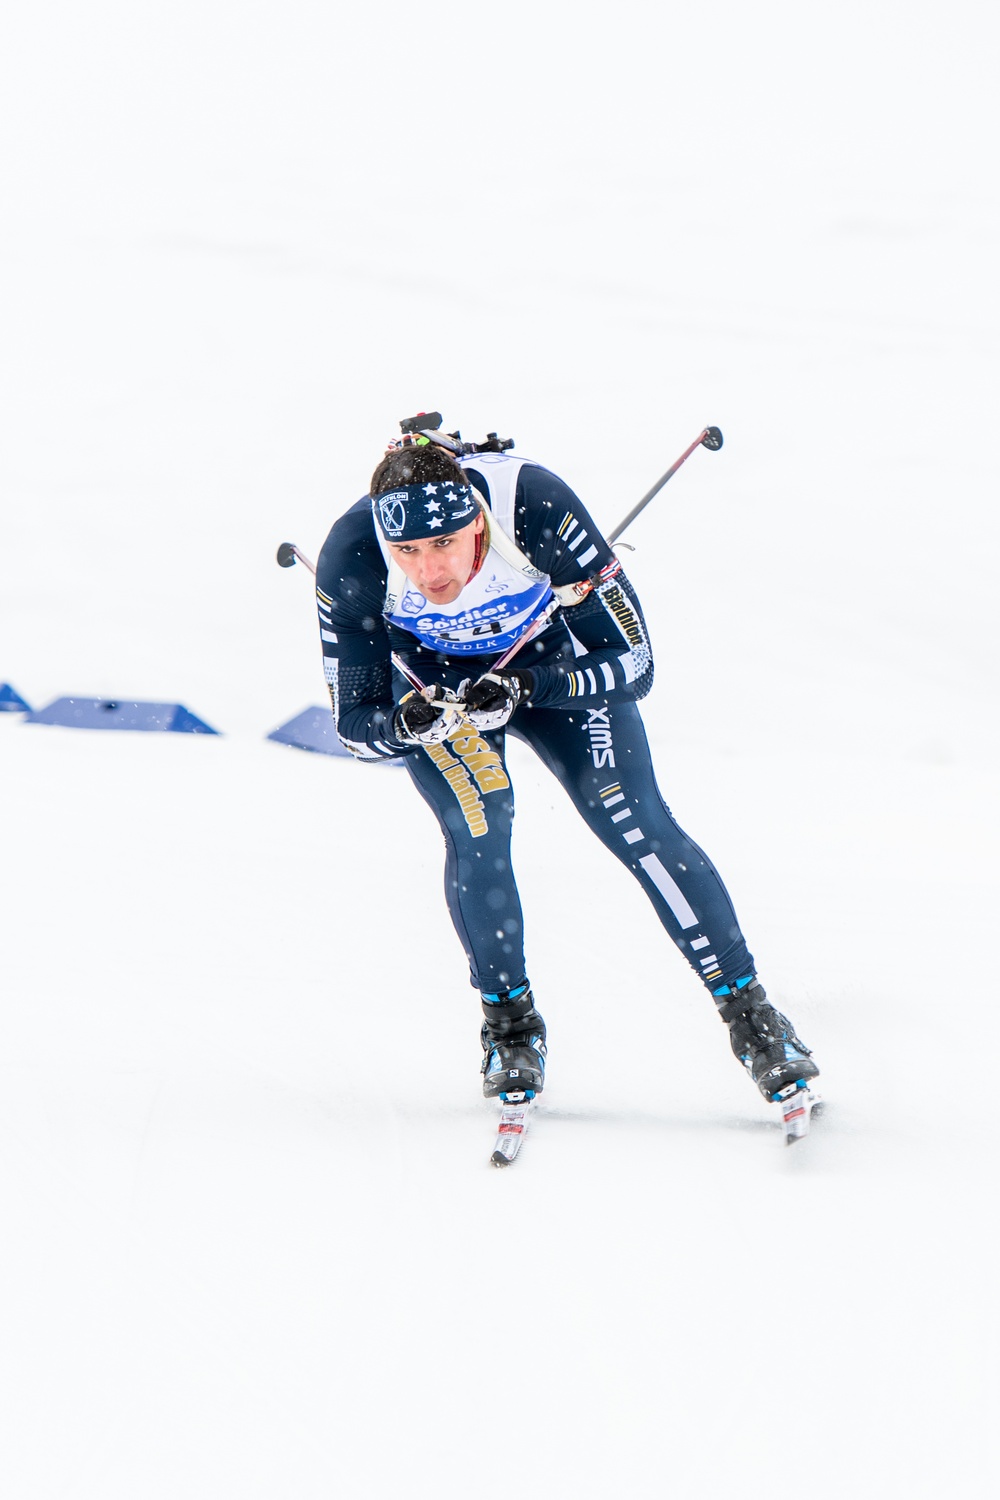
<point>581,720</point>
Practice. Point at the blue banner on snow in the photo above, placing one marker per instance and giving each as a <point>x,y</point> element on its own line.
<point>11,702</point>
<point>120,713</point>
<point>313,730</point>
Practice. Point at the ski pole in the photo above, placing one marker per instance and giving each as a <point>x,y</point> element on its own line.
<point>710,438</point>
<point>407,672</point>
<point>501,661</point>
<point>580,590</point>
<point>287,555</point>
<point>288,552</point>
<point>527,635</point>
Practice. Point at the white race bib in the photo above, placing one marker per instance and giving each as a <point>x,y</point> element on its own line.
<point>490,614</point>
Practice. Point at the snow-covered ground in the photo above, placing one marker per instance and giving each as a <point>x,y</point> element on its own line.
<point>250,1245</point>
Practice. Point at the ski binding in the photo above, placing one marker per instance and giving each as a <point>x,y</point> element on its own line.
<point>797,1103</point>
<point>515,1112</point>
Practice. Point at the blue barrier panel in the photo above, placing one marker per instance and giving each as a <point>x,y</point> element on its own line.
<point>313,730</point>
<point>119,713</point>
<point>11,702</point>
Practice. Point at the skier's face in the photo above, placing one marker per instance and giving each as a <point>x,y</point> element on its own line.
<point>440,566</point>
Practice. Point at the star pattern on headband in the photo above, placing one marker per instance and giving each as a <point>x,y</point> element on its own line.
<point>432,505</point>
<point>437,521</point>
<point>430,489</point>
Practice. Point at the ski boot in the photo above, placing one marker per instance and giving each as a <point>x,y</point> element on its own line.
<point>513,1039</point>
<point>765,1042</point>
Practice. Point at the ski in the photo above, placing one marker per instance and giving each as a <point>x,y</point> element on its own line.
<point>515,1112</point>
<point>797,1103</point>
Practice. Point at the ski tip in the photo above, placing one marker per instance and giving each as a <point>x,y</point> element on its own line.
<point>499,1160</point>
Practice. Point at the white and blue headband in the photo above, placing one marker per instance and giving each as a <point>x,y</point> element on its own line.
<point>412,511</point>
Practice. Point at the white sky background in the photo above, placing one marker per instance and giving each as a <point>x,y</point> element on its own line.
<point>238,244</point>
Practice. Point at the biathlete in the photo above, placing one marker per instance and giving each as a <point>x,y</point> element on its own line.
<point>430,579</point>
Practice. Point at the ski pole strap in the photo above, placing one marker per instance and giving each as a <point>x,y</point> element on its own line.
<point>569,594</point>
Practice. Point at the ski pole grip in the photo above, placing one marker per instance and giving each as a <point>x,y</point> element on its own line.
<point>288,553</point>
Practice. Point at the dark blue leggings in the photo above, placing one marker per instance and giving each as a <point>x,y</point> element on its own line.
<point>601,757</point>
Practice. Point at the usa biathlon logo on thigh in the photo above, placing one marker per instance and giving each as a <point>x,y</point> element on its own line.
<point>478,771</point>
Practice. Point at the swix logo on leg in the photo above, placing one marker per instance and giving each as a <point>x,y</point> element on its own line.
<point>602,749</point>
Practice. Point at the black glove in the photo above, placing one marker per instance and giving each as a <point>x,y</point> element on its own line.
<point>418,721</point>
<point>490,702</point>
